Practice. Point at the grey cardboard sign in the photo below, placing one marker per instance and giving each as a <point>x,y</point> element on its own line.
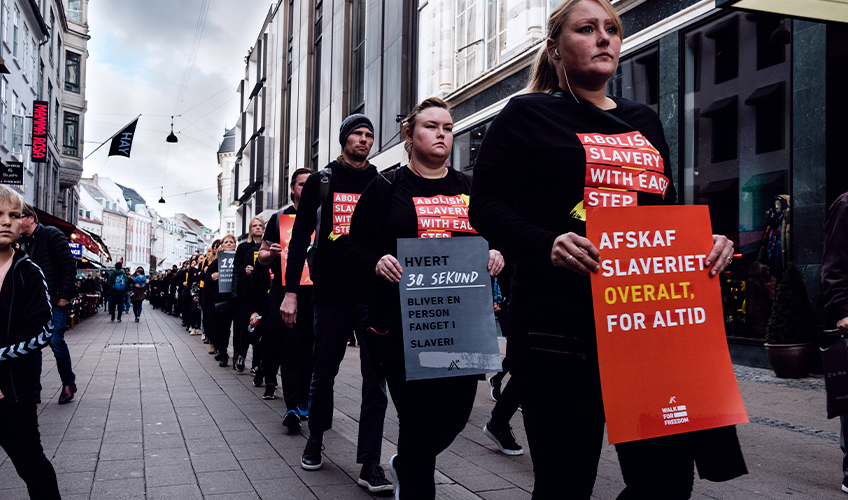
<point>225,271</point>
<point>447,307</point>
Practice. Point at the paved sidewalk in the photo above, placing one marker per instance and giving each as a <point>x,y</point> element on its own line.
<point>155,417</point>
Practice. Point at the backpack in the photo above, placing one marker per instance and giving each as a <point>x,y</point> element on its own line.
<point>120,283</point>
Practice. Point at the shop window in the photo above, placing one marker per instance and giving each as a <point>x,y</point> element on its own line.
<point>637,78</point>
<point>724,116</point>
<point>770,117</point>
<point>772,38</point>
<point>726,37</point>
<point>466,146</point>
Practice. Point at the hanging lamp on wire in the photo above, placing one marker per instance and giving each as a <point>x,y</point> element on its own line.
<point>162,191</point>
<point>171,136</point>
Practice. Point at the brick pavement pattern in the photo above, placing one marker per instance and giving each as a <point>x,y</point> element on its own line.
<point>155,417</point>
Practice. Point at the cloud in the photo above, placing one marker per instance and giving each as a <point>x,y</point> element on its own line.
<point>138,54</point>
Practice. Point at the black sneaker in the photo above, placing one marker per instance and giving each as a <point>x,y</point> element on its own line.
<point>494,389</point>
<point>373,478</point>
<point>291,421</point>
<point>303,411</point>
<point>259,379</point>
<point>269,391</point>
<point>504,439</point>
<point>225,360</point>
<point>311,458</point>
<point>239,363</point>
<point>845,484</point>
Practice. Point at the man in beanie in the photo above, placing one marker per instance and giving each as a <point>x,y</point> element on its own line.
<point>338,308</point>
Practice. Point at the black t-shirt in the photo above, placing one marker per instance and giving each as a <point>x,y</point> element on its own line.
<point>246,254</point>
<point>331,277</point>
<point>401,205</point>
<point>542,158</point>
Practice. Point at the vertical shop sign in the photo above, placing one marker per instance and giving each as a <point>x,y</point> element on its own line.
<point>40,125</point>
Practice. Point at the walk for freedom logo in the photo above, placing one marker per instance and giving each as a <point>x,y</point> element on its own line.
<point>674,415</point>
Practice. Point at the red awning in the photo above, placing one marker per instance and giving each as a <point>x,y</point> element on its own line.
<point>74,233</point>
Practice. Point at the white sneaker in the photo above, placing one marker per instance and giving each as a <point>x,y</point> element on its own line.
<point>395,476</point>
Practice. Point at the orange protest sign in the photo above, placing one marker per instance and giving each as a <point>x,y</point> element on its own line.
<point>286,223</point>
<point>665,367</point>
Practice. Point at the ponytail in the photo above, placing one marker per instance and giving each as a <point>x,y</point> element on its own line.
<point>545,77</point>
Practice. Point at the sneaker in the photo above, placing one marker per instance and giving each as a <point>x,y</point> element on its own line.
<point>269,392</point>
<point>224,361</point>
<point>113,318</point>
<point>845,484</point>
<point>373,478</point>
<point>494,389</point>
<point>393,469</point>
<point>258,379</point>
<point>239,364</point>
<point>136,319</point>
<point>311,458</point>
<point>119,320</point>
<point>291,421</point>
<point>303,411</point>
<point>504,439</point>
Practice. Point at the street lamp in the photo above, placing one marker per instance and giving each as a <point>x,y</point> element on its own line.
<point>162,191</point>
<point>171,137</point>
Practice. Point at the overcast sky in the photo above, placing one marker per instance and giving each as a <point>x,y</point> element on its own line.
<point>138,55</point>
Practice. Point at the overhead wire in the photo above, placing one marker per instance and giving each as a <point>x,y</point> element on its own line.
<point>198,35</point>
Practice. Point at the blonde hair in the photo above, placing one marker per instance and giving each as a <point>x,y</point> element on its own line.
<point>8,195</point>
<point>545,77</point>
<point>409,122</point>
<point>260,219</point>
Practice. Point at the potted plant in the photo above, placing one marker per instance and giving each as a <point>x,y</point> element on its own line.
<point>790,332</point>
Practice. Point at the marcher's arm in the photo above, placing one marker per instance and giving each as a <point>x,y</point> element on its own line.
<point>834,273</point>
<point>34,304</point>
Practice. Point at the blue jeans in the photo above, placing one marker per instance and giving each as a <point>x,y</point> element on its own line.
<point>60,349</point>
<point>137,307</point>
<point>127,302</point>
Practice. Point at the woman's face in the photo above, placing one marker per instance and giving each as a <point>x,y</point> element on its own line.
<point>432,137</point>
<point>228,245</point>
<point>589,45</point>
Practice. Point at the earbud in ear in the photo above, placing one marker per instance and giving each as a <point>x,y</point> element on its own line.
<point>556,52</point>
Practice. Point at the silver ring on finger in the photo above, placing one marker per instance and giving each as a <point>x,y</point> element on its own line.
<point>729,260</point>
<point>568,259</point>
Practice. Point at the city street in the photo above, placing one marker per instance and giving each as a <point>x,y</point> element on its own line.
<point>155,417</point>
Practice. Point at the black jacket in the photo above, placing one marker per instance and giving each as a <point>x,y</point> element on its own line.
<point>27,328</point>
<point>48,248</point>
<point>834,272</point>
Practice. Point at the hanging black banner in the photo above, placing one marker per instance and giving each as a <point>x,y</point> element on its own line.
<point>122,142</point>
<point>12,173</point>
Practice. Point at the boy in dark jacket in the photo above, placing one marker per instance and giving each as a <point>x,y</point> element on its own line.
<point>25,303</point>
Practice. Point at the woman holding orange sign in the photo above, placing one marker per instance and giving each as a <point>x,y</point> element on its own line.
<point>547,157</point>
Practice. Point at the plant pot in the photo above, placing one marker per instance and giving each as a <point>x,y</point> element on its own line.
<point>790,360</point>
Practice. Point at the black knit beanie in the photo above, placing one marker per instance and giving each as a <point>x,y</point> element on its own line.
<point>352,123</point>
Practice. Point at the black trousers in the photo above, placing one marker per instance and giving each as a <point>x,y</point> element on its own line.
<point>22,443</point>
<point>116,299</point>
<point>565,462</point>
<point>422,436</point>
<point>241,337</point>
<point>289,350</point>
<point>223,322</point>
<point>208,319</point>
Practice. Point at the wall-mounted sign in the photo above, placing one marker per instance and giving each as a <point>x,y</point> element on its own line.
<point>76,250</point>
<point>40,124</point>
<point>12,173</point>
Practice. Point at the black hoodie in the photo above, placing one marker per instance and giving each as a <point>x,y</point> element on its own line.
<point>27,328</point>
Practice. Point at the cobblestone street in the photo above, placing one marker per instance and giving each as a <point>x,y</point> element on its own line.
<point>155,417</point>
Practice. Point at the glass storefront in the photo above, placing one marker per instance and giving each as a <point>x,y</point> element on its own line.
<point>735,158</point>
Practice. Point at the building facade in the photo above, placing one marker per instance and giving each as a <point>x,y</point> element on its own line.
<point>311,66</point>
<point>44,51</point>
<point>226,162</point>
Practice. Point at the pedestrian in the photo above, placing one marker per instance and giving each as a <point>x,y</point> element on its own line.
<point>207,303</point>
<point>260,286</point>
<point>288,350</point>
<point>127,300</point>
<point>193,299</point>
<point>223,304</point>
<point>338,309</point>
<point>384,213</point>
<point>48,248</point>
<point>27,329</point>
<point>118,284</point>
<point>139,280</point>
<point>245,259</point>
<point>834,276</point>
<point>538,216</point>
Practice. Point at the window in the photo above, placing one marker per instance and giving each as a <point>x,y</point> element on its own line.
<point>72,72</point>
<point>15,32</point>
<point>40,84</point>
<point>59,61</point>
<point>357,60</point>
<point>6,17</point>
<point>726,43</point>
<point>495,31</point>
<point>637,78</point>
<point>25,61</point>
<point>4,88</point>
<point>772,38</point>
<point>469,37</point>
<point>316,83</point>
<point>17,134</point>
<point>466,146</point>
<point>75,10</point>
<point>70,130</point>
<point>34,62</point>
<point>56,122</point>
<point>52,31</point>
